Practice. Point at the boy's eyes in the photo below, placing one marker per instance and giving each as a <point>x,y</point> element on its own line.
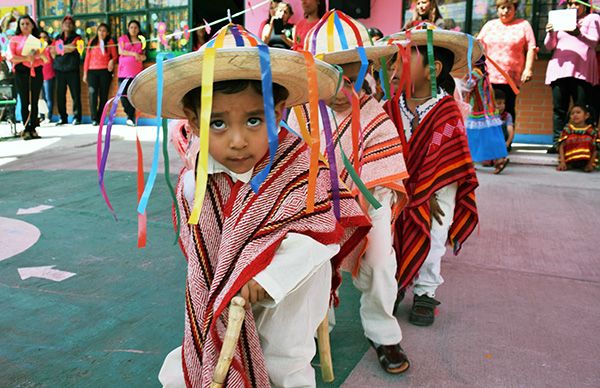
<point>254,122</point>
<point>220,125</point>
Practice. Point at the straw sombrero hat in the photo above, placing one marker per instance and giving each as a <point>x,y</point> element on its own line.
<point>457,42</point>
<point>237,59</point>
<point>341,48</point>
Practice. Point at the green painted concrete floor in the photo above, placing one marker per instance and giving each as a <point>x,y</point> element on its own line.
<point>113,323</point>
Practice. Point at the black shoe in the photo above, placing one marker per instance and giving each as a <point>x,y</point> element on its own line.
<point>552,150</point>
<point>76,122</point>
<point>35,135</point>
<point>62,122</point>
<point>94,123</point>
<point>391,358</point>
<point>423,310</point>
<point>26,135</point>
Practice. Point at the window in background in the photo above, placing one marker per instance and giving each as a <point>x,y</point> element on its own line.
<point>88,6</point>
<point>175,19</point>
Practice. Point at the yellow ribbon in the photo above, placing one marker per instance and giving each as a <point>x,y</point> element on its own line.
<point>330,34</point>
<point>208,70</point>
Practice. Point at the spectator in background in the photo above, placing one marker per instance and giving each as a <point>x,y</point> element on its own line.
<point>573,69</point>
<point>66,67</point>
<point>199,38</point>
<point>375,34</point>
<point>510,43</point>
<point>48,73</point>
<point>131,63</point>
<point>313,12</point>
<point>508,128</point>
<point>426,11</point>
<point>279,32</point>
<point>272,8</point>
<point>28,74</point>
<point>98,66</point>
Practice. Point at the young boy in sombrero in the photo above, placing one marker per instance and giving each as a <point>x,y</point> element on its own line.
<point>266,245</point>
<point>442,181</point>
<point>369,139</point>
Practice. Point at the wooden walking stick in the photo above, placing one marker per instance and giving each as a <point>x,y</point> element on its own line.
<point>325,351</point>
<point>232,334</point>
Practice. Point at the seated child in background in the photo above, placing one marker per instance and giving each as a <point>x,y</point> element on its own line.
<point>508,127</point>
<point>267,246</point>
<point>578,142</point>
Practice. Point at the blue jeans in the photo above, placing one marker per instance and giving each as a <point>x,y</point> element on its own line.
<point>48,95</point>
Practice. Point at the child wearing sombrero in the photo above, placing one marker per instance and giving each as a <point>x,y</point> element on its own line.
<point>368,138</point>
<point>442,181</point>
<point>253,234</point>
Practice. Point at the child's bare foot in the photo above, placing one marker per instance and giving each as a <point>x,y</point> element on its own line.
<point>562,166</point>
<point>589,167</point>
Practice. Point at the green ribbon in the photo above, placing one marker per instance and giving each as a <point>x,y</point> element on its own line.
<point>431,60</point>
<point>165,148</point>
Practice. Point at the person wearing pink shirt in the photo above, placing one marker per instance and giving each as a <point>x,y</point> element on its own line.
<point>573,69</point>
<point>313,12</point>
<point>49,74</point>
<point>510,43</point>
<point>28,74</point>
<point>97,70</point>
<point>131,63</point>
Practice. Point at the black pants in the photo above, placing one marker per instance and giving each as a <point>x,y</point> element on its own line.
<point>127,107</point>
<point>72,80</point>
<point>563,89</point>
<point>29,89</point>
<point>98,86</point>
<point>511,99</point>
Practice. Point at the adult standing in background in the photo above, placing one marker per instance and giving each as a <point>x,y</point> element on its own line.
<point>510,43</point>
<point>279,32</point>
<point>426,11</point>
<point>98,66</point>
<point>573,69</point>
<point>313,12</point>
<point>49,74</point>
<point>28,74</point>
<point>67,71</point>
<point>131,63</point>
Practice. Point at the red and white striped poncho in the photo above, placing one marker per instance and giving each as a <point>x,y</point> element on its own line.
<point>236,238</point>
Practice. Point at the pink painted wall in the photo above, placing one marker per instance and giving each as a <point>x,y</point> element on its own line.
<point>385,15</point>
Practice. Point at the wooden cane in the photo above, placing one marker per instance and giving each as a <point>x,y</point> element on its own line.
<point>232,334</point>
<point>325,351</point>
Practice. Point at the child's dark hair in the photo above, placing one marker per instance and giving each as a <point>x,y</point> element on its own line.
<point>446,57</point>
<point>375,32</point>
<point>584,108</point>
<point>499,95</point>
<point>192,99</point>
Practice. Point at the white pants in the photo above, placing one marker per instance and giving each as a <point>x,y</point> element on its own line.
<point>377,276</point>
<point>286,333</point>
<point>430,277</point>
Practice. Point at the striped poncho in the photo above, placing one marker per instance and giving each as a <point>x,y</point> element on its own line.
<point>236,238</point>
<point>381,162</point>
<point>579,143</point>
<point>437,155</point>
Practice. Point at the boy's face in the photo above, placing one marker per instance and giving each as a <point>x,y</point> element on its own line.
<point>340,103</point>
<point>419,73</point>
<point>238,132</point>
<point>501,105</point>
<point>579,116</point>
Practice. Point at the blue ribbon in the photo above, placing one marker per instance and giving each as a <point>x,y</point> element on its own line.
<point>470,55</point>
<point>159,98</point>
<point>267,88</point>
<point>364,66</point>
<point>289,129</point>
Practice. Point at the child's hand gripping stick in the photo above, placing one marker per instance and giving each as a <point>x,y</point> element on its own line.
<point>232,334</point>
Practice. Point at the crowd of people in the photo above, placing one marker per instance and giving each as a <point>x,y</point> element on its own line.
<point>50,72</point>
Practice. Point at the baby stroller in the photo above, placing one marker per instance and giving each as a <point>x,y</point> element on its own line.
<point>8,100</point>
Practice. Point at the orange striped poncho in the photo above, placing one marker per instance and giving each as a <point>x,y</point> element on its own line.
<point>579,143</point>
<point>437,155</point>
<point>381,162</point>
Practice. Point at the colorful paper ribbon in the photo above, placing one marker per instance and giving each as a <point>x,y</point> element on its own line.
<point>142,219</point>
<point>431,61</point>
<point>330,147</point>
<point>159,99</point>
<point>102,154</point>
<point>60,47</point>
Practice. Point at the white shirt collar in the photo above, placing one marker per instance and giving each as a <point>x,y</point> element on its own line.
<point>422,109</point>
<point>215,167</point>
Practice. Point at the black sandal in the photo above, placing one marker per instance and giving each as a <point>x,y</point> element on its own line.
<point>423,310</point>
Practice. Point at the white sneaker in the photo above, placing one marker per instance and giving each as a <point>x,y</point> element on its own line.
<point>130,123</point>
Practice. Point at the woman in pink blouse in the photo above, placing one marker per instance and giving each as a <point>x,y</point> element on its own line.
<point>510,43</point>
<point>131,63</point>
<point>97,70</point>
<point>28,74</point>
<point>573,69</point>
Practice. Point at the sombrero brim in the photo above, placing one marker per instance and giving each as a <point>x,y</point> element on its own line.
<point>184,73</point>
<point>457,42</point>
<point>343,57</point>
